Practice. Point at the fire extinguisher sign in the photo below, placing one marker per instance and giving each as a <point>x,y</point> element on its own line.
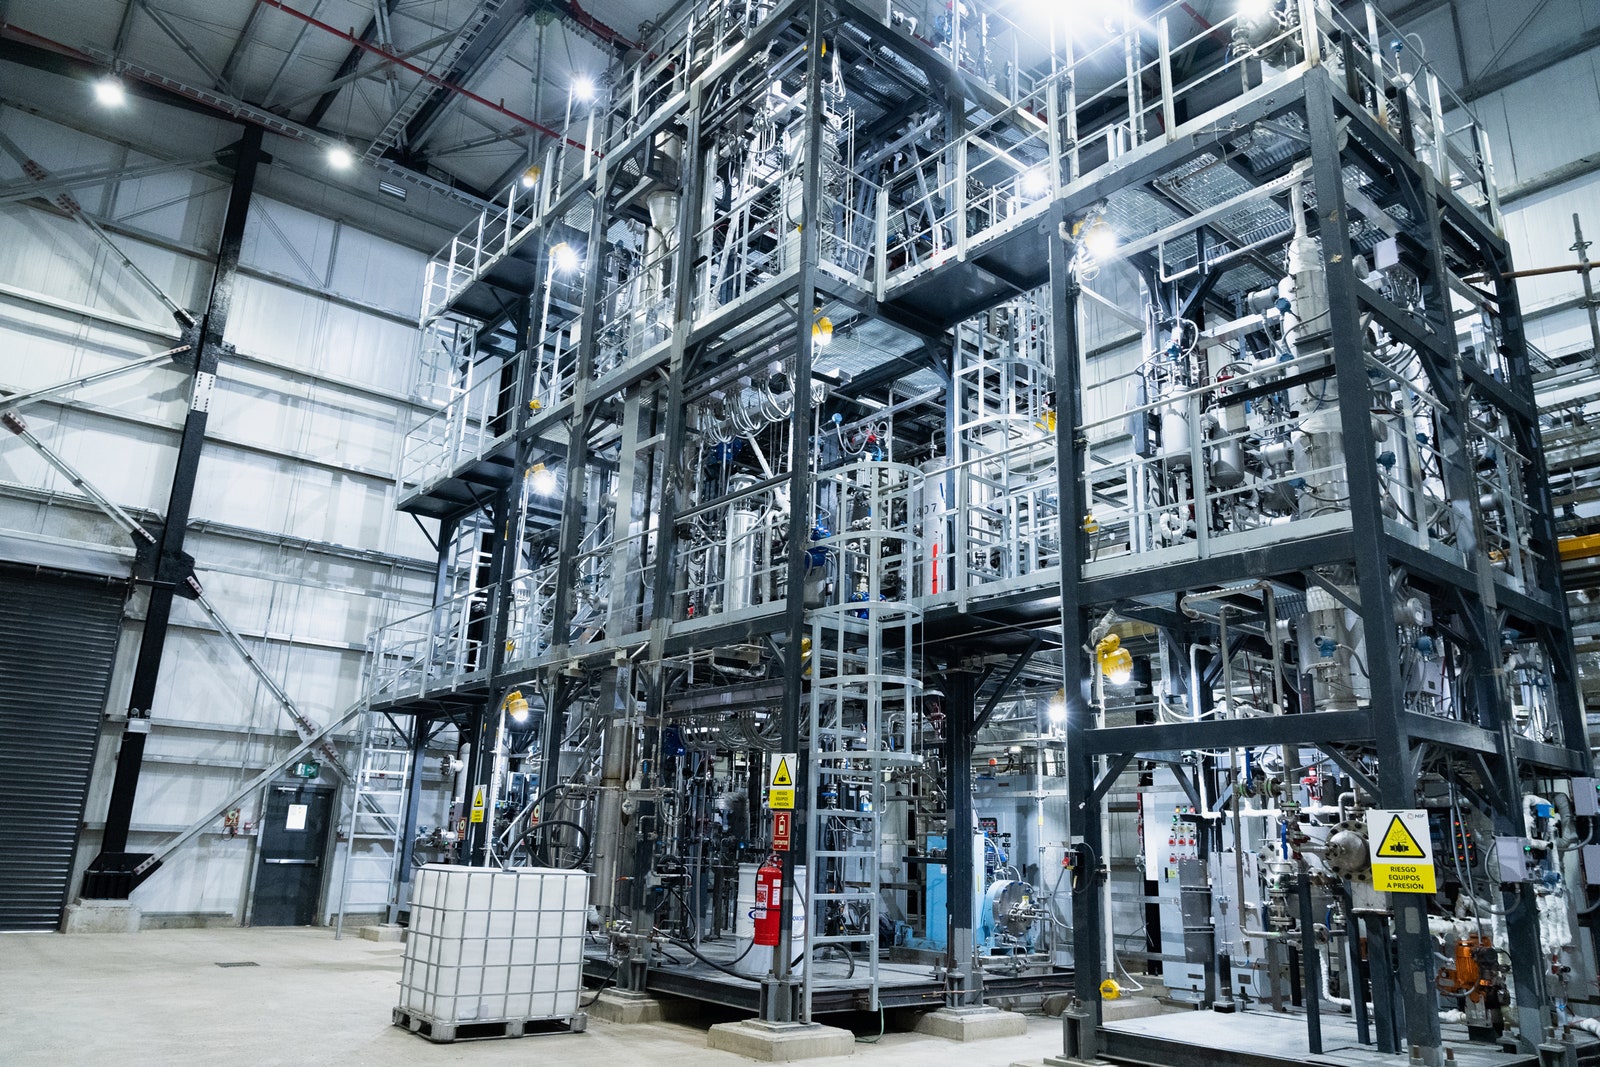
<point>782,821</point>
<point>780,783</point>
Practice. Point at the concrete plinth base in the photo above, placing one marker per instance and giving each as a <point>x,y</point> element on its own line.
<point>384,932</point>
<point>780,1044</point>
<point>617,1006</point>
<point>972,1024</point>
<point>100,917</point>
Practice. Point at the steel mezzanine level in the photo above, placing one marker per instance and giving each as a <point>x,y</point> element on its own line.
<point>1214,164</point>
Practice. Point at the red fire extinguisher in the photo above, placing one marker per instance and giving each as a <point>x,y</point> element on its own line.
<point>769,896</point>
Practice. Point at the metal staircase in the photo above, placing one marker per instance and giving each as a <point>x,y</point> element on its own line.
<point>422,91</point>
<point>862,709</point>
<point>377,817</point>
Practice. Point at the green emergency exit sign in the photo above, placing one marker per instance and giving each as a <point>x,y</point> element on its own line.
<point>307,769</point>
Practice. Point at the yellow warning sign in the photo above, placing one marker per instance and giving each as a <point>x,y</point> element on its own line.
<point>1404,878</point>
<point>1398,842</point>
<point>1402,851</point>
<point>780,783</point>
<point>479,798</point>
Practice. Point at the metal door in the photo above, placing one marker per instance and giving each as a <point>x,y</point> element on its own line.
<point>294,842</point>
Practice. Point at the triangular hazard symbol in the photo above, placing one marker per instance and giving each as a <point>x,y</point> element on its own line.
<point>781,777</point>
<point>1398,843</point>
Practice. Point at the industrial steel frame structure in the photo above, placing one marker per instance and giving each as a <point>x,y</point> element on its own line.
<point>533,386</point>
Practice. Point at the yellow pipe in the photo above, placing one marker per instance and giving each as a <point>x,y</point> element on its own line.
<point>1584,547</point>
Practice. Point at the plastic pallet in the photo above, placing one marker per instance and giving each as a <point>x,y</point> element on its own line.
<point>444,1033</point>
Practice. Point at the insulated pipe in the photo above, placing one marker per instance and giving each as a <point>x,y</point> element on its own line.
<point>607,835</point>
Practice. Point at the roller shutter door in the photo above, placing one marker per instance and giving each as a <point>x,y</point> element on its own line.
<point>58,643</point>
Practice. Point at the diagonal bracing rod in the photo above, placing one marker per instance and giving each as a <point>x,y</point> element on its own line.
<point>75,210</point>
<point>129,524</point>
<point>302,724</point>
<point>19,400</point>
<point>322,737</point>
<point>137,529</point>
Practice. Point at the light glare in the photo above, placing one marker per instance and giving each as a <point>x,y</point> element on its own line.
<point>583,87</point>
<point>340,157</point>
<point>108,92</point>
<point>1101,241</point>
<point>544,480</point>
<point>565,258</point>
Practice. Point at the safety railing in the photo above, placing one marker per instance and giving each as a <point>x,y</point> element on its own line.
<point>730,552</point>
<point>848,242</point>
<point>432,651</point>
<point>479,245</point>
<point>444,346</point>
<point>986,181</point>
<point>553,362</point>
<point>531,621</point>
<point>1410,465</point>
<point>650,85</point>
<point>1112,95</point>
<point>1210,480</point>
<point>1507,517</point>
<point>751,242</point>
<point>1408,97</point>
<point>637,308</point>
<point>478,418</point>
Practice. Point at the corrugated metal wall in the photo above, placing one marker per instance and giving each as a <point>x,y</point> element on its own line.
<point>294,529</point>
<point>58,642</point>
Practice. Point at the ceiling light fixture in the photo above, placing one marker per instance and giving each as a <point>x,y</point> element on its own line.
<point>583,87</point>
<point>109,92</point>
<point>340,157</point>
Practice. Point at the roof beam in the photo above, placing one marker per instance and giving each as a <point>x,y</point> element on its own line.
<point>331,89</point>
<point>166,26</point>
<point>1527,68</point>
<point>230,66</point>
<point>347,67</point>
<point>484,52</point>
<point>425,75</point>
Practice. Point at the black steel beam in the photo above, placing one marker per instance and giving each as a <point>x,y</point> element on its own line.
<point>1318,727</point>
<point>110,874</point>
<point>961,729</point>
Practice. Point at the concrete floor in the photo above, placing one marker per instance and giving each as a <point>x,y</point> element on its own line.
<point>159,997</point>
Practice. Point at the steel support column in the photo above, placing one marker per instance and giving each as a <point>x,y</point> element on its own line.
<point>169,569</point>
<point>963,985</point>
<point>779,999</point>
<point>1397,789</point>
<point>1083,813</point>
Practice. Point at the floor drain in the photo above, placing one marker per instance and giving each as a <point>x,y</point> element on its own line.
<point>241,963</point>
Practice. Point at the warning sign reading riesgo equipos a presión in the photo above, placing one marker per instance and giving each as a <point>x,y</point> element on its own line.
<point>1402,851</point>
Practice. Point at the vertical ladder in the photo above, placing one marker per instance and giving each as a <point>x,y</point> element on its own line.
<point>863,690</point>
<point>377,815</point>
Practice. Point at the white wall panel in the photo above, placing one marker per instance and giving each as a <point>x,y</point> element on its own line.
<point>378,272</point>
<point>301,550</point>
<point>301,330</point>
<point>289,242</point>
<point>180,206</point>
